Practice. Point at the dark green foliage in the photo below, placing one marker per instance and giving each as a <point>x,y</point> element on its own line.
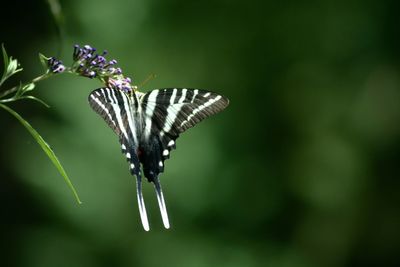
<point>302,169</point>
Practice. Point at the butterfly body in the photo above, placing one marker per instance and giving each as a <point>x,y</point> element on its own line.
<point>148,124</point>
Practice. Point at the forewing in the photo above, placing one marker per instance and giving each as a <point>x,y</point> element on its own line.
<point>115,108</point>
<point>169,112</point>
<point>176,110</point>
<point>166,113</point>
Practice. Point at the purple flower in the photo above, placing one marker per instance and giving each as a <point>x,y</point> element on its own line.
<point>90,64</point>
<point>88,61</point>
<point>120,83</point>
<point>55,65</point>
<point>118,71</point>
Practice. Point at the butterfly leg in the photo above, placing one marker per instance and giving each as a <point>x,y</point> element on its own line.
<point>161,202</point>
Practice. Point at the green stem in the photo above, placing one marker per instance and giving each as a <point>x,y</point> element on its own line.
<point>35,80</point>
<point>41,78</point>
<point>15,88</point>
<point>7,100</point>
<point>9,91</point>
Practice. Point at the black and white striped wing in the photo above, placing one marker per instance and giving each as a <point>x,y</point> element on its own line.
<point>147,130</point>
<point>115,107</point>
<point>166,113</point>
<point>170,112</point>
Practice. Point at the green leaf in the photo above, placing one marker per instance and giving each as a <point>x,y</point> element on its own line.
<point>10,66</point>
<point>19,92</point>
<point>5,59</point>
<point>55,9</point>
<point>46,148</point>
<point>43,59</point>
<point>28,87</point>
<point>36,99</point>
<point>5,56</point>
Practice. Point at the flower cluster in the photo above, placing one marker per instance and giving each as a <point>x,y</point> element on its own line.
<point>120,83</point>
<point>90,64</point>
<point>55,65</point>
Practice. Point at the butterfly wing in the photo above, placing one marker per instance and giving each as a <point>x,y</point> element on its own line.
<point>115,107</point>
<point>170,112</point>
<point>166,114</point>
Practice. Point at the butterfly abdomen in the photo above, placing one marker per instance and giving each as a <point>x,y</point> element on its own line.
<point>151,158</point>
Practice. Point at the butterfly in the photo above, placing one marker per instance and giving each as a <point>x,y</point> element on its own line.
<point>148,124</point>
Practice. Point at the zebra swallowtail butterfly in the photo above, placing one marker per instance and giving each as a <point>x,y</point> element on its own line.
<point>148,125</point>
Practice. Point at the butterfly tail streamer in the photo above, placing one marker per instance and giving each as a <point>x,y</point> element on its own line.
<point>142,207</point>
<point>161,202</point>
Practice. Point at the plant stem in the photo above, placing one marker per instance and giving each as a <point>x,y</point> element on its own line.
<point>35,80</point>
<point>41,78</point>
<point>9,91</point>
<point>15,88</point>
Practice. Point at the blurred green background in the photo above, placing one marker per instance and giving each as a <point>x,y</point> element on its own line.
<point>302,169</point>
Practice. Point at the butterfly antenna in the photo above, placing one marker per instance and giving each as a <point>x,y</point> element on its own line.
<point>161,203</point>
<point>142,208</point>
<point>150,77</point>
